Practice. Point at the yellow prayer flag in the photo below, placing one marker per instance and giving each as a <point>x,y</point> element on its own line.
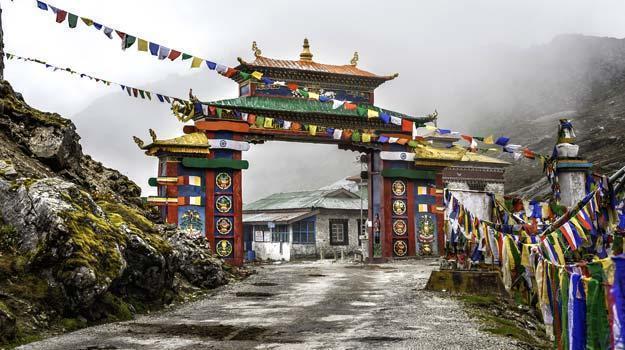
<point>257,75</point>
<point>557,248</point>
<point>313,96</point>
<point>423,208</point>
<point>312,129</point>
<point>87,21</point>
<point>196,63</point>
<point>142,45</point>
<point>372,113</point>
<point>431,127</point>
<point>489,140</point>
<point>366,137</point>
<point>579,228</point>
<point>422,190</point>
<point>268,123</point>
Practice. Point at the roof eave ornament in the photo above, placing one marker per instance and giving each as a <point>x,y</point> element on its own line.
<point>256,50</point>
<point>306,55</point>
<point>354,60</point>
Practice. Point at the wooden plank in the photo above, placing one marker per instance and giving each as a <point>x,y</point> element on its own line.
<point>222,125</point>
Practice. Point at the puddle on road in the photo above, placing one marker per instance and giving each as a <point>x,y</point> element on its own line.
<point>255,294</point>
<point>264,284</point>
<point>218,331</point>
<point>377,339</point>
<point>316,275</point>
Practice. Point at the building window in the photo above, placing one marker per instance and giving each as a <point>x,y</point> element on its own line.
<point>304,232</point>
<point>338,232</point>
<point>280,233</point>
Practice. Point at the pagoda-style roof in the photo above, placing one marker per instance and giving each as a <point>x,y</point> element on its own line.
<point>428,155</point>
<point>194,143</point>
<point>312,112</point>
<point>305,69</point>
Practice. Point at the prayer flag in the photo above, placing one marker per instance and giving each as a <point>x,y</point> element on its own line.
<point>257,75</point>
<point>383,139</point>
<point>407,125</point>
<point>87,21</point>
<point>489,140</point>
<point>142,93</point>
<point>395,120</point>
<point>42,5</point>
<point>570,234</point>
<point>356,136</point>
<point>337,134</point>
<point>174,54</point>
<point>142,45</point>
<point>372,113</point>
<point>230,72</point>
<point>128,91</point>
<point>366,137</point>
<point>393,139</point>
<point>385,118</point>
<point>286,125</point>
<point>60,16</point>
<point>313,96</point>
<point>167,99</point>
<point>186,56</point>
<point>244,75</point>
<point>147,93</point>
<point>502,141</point>
<point>529,153</point>
<point>336,104</point>
<point>221,68</point>
<point>97,26</point>
<point>302,92</point>
<point>135,92</point>
<point>292,86</point>
<point>312,129</point>
<point>402,141</point>
<point>209,64</point>
<point>160,98</point>
<point>349,106</point>
<point>323,98</point>
<point>268,123</point>
<point>127,41</point>
<point>196,62</point>
<point>154,49</point>
<point>163,52</point>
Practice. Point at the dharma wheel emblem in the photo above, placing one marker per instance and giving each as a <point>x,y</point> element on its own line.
<point>223,143</point>
<point>224,226</point>
<point>399,207</point>
<point>223,181</point>
<point>399,187</point>
<point>400,248</point>
<point>223,204</point>
<point>402,156</point>
<point>224,248</point>
<point>399,227</point>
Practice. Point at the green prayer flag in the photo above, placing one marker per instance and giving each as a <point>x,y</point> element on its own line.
<point>219,111</point>
<point>412,143</point>
<point>142,94</point>
<point>244,75</point>
<point>72,20</point>
<point>362,111</point>
<point>564,306</point>
<point>128,41</point>
<point>302,92</point>
<point>260,121</point>
<point>186,56</point>
<point>148,95</point>
<point>356,136</point>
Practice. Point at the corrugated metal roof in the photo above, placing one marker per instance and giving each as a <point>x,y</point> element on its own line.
<point>327,199</point>
<point>347,69</point>
<point>276,217</point>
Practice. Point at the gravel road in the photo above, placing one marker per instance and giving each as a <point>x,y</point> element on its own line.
<point>308,305</point>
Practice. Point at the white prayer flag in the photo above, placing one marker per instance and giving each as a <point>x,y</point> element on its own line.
<point>287,125</point>
<point>393,139</point>
<point>336,104</point>
<point>221,68</point>
<point>395,120</point>
<point>337,134</point>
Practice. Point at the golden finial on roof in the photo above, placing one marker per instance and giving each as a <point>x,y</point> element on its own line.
<point>256,50</point>
<point>138,141</point>
<point>152,135</point>
<point>306,55</point>
<point>354,61</point>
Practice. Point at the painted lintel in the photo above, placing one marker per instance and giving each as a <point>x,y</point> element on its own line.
<point>215,163</point>
<point>410,174</point>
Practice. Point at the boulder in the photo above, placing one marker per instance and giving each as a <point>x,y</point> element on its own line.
<point>8,326</point>
<point>195,261</point>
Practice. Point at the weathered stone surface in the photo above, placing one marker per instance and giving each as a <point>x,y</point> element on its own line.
<point>467,282</point>
<point>8,327</point>
<point>195,262</point>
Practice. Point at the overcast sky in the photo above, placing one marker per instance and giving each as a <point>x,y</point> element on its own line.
<point>415,38</point>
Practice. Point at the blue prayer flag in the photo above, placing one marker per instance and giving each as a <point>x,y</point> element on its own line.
<point>323,98</point>
<point>330,131</point>
<point>502,141</point>
<point>160,98</point>
<point>97,26</point>
<point>385,118</point>
<point>444,131</point>
<point>42,5</point>
<point>123,87</point>
<point>266,80</point>
<point>154,49</point>
<point>383,139</point>
<point>211,65</point>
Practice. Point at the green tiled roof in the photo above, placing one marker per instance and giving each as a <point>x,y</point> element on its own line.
<point>260,104</point>
<point>328,199</point>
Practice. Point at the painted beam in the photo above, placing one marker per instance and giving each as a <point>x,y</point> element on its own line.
<point>405,156</point>
<point>410,174</point>
<point>204,163</point>
<point>229,144</point>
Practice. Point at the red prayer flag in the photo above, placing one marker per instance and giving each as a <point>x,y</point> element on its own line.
<point>231,72</point>
<point>173,54</point>
<point>121,35</point>
<point>347,135</point>
<point>212,109</point>
<point>296,126</point>
<point>529,153</point>
<point>469,138</point>
<point>350,106</point>
<point>251,119</point>
<point>60,16</point>
<point>402,141</point>
<point>406,125</point>
<point>135,92</point>
<point>292,86</point>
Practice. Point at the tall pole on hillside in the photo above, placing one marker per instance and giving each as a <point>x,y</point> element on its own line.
<point>1,48</point>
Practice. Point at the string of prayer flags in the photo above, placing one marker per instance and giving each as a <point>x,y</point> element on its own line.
<point>131,91</point>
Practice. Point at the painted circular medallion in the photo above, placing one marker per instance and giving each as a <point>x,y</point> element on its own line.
<point>224,226</point>
<point>223,204</point>
<point>399,188</point>
<point>223,181</point>
<point>400,248</point>
<point>399,207</point>
<point>399,227</point>
<point>224,248</point>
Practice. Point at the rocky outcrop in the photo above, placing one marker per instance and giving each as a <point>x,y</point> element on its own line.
<point>76,242</point>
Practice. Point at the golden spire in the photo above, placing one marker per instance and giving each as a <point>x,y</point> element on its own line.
<point>354,60</point>
<point>306,55</point>
<point>255,49</point>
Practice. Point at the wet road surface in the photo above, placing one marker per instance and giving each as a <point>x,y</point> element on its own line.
<point>308,305</point>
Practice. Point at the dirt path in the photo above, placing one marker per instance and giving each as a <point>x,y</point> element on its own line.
<point>316,305</point>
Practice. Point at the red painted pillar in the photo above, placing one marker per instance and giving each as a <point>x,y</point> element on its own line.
<point>410,210</point>
<point>440,215</point>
